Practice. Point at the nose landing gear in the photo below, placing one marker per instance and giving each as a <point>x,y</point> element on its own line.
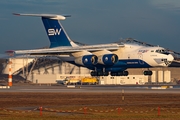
<point>148,72</point>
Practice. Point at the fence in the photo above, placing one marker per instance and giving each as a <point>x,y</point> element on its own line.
<point>87,110</point>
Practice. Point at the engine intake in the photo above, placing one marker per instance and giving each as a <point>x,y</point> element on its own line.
<point>108,59</point>
<point>87,60</point>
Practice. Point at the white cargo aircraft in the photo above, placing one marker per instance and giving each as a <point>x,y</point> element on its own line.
<point>102,59</point>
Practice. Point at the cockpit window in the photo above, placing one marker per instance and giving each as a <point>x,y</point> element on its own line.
<point>157,51</point>
<point>162,51</point>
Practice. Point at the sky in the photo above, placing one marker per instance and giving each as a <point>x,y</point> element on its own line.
<point>93,22</point>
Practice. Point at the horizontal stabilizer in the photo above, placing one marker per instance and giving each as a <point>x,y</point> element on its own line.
<point>50,16</point>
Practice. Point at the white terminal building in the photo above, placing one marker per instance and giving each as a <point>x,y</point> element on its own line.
<point>50,71</point>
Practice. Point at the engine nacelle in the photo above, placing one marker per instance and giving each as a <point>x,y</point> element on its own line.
<point>108,59</point>
<point>87,60</point>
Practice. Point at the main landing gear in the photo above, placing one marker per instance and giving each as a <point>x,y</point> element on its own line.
<point>94,73</point>
<point>121,73</point>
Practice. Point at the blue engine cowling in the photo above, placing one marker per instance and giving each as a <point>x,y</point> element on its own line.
<point>87,60</point>
<point>108,59</point>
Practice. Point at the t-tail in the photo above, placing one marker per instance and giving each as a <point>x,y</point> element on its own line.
<point>55,31</point>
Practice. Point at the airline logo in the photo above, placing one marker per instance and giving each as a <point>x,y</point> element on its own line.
<point>52,31</point>
<point>142,51</point>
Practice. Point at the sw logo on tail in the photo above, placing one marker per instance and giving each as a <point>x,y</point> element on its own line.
<point>54,31</point>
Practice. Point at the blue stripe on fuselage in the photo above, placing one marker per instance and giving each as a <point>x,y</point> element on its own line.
<point>121,65</point>
<point>134,63</point>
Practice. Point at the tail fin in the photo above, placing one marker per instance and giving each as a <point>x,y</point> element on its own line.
<point>55,31</point>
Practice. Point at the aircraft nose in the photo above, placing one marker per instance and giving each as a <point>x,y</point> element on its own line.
<point>170,58</point>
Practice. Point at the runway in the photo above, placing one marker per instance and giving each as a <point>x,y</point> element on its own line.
<point>92,89</point>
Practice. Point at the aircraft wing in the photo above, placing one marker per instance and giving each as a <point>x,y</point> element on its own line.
<point>69,50</point>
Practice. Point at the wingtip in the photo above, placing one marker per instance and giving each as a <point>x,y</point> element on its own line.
<point>67,15</point>
<point>16,14</point>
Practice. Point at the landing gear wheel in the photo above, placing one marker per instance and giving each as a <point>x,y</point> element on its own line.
<point>148,72</point>
<point>121,73</point>
<point>113,73</point>
<point>93,73</point>
<point>99,73</point>
<point>105,73</point>
<point>125,73</point>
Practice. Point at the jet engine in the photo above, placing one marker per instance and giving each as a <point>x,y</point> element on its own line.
<point>87,60</point>
<point>108,59</point>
